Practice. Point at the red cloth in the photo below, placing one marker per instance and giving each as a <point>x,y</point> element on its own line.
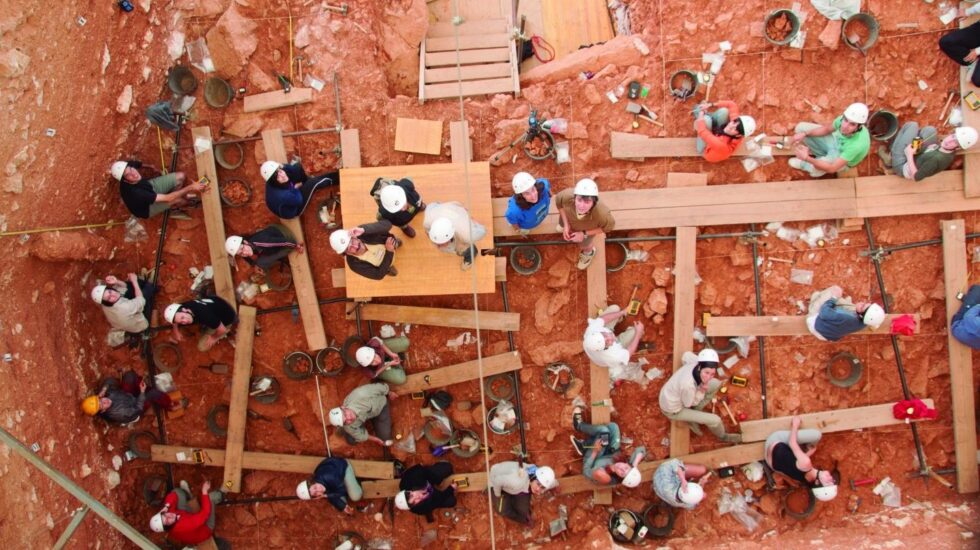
<point>190,527</point>
<point>912,409</point>
<point>903,325</point>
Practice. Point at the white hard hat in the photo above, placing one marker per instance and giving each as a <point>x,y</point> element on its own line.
<point>170,312</point>
<point>748,125</point>
<point>587,188</point>
<point>393,198</point>
<point>340,240</point>
<point>707,355</point>
<point>874,316</point>
<point>303,490</point>
<point>118,169</point>
<point>522,182</point>
<point>632,478</point>
<point>966,137</point>
<point>856,113</point>
<point>546,477</point>
<point>693,494</point>
<point>364,356</point>
<point>441,231</point>
<point>825,494</point>
<point>233,244</point>
<point>97,293</point>
<point>401,500</point>
<point>594,341</point>
<point>268,169</point>
<point>156,522</point>
<point>337,416</point>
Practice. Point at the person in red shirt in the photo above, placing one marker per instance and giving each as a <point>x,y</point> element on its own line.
<point>720,132</point>
<point>181,524</point>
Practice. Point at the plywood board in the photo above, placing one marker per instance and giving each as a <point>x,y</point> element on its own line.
<point>214,223</point>
<point>471,25</point>
<point>440,317</point>
<point>960,360</point>
<point>272,462</point>
<point>467,42</point>
<point>422,269</point>
<point>624,145</point>
<point>470,88</point>
<point>238,407</point>
<point>460,144</point>
<point>338,276</point>
<point>571,24</point>
<point>418,136</point>
<point>299,263</point>
<point>277,99</point>
<point>782,325</point>
<point>840,420</point>
<point>350,148</point>
<point>469,72</point>
<point>598,376</point>
<point>683,179</point>
<point>684,276</point>
<point>466,57</point>
<point>462,372</point>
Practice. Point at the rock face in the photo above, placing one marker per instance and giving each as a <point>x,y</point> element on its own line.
<point>13,63</point>
<point>125,100</point>
<point>656,303</point>
<point>401,34</point>
<point>202,8</point>
<point>231,42</point>
<point>71,246</point>
<point>620,51</point>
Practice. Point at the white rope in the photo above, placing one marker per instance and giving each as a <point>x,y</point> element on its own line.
<point>323,421</point>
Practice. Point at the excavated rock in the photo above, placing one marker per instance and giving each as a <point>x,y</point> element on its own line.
<point>655,303</point>
<point>620,51</point>
<point>13,63</point>
<point>232,42</point>
<point>63,246</point>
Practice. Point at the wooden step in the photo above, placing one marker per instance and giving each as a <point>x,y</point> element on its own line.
<point>461,372</point>
<point>271,462</point>
<point>472,87</point>
<point>623,145</point>
<point>277,99</point>
<point>238,408</point>
<point>468,72</point>
<point>440,317</point>
<point>467,28</point>
<point>840,420</point>
<point>781,325</point>
<point>473,42</point>
<point>466,57</point>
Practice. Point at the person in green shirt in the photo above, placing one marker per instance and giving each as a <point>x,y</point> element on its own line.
<point>829,148</point>
<point>933,155</point>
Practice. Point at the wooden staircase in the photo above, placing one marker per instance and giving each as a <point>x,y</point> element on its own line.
<point>487,60</point>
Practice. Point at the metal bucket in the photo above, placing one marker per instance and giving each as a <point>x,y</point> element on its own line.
<point>794,29</point>
<point>676,84</point>
<point>460,451</point>
<point>181,80</point>
<point>220,157</point>
<point>868,21</point>
<point>527,254</point>
<point>846,358</point>
<point>491,414</point>
<point>883,125</point>
<point>217,92</point>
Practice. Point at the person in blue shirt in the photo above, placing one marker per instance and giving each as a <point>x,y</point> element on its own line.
<point>529,204</point>
<point>831,318</point>
<point>333,480</point>
<point>966,323</point>
<point>602,459</point>
<point>288,189</point>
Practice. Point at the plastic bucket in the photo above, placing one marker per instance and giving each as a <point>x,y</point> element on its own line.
<point>616,256</point>
<point>841,361</point>
<point>181,80</point>
<point>624,526</point>
<point>217,92</point>
<point>229,155</point>
<point>297,365</point>
<point>770,27</point>
<point>799,503</point>
<point>865,27</point>
<point>462,451</point>
<point>491,414</point>
<point>525,260</point>
<point>683,84</point>
<point>883,125</point>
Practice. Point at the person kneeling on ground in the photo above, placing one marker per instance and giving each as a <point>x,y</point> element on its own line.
<point>146,198</point>
<point>581,217</point>
<point>369,249</point>
<point>529,204</point>
<point>183,526</point>
<point>604,348</point>
<point>512,484</point>
<point>721,132</point>
<point>672,482</point>
<point>363,403</point>
<point>125,304</point>
<point>333,480</point>
<point>689,390</point>
<point>420,492</point>
<point>963,45</point>
<point>830,148</point>
<point>785,455</point>
<point>451,229</point>
<point>928,158</point>
<point>214,315</point>
<point>832,317</point>
<point>288,189</point>
<point>398,202</point>
<point>381,361</point>
<point>965,325</point>
<point>124,403</point>
<point>265,248</point>
<point>602,461</point>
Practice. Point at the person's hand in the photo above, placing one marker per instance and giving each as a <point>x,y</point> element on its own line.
<point>300,248</point>
<point>132,277</point>
<point>961,13</point>
<point>356,232</point>
<point>970,57</point>
<point>578,237</point>
<point>454,486</point>
<point>392,395</point>
<point>349,510</point>
<point>142,386</point>
<point>909,150</point>
<point>802,152</point>
<point>798,137</point>
<point>566,233</point>
<point>111,280</point>
<point>176,337</point>
<point>388,442</point>
<point>297,185</point>
<point>524,232</point>
<point>205,487</point>
<point>390,244</point>
<point>197,187</point>
<point>395,361</point>
<point>212,340</point>
<point>797,420</point>
<point>639,328</point>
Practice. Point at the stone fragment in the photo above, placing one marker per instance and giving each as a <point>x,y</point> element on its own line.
<point>244,126</point>
<point>125,100</point>
<point>60,246</point>
<point>13,63</point>
<point>620,51</point>
<point>632,175</point>
<point>543,322</point>
<point>661,276</point>
<point>577,130</point>
<point>231,42</point>
<point>560,271</point>
<point>14,184</point>
<point>830,36</point>
<point>655,303</point>
<point>557,302</point>
<point>574,388</point>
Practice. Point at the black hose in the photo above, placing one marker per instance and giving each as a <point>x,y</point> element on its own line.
<point>886,250</point>
<point>289,307</point>
<point>517,379</point>
<point>758,313</point>
<point>498,244</point>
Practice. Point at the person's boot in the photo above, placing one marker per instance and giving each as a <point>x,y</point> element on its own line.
<point>884,155</point>
<point>585,258</point>
<point>731,438</point>
<point>408,230</point>
<point>578,445</point>
<point>392,271</point>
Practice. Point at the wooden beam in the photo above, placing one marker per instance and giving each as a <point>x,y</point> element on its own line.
<point>960,360</point>
<point>840,420</point>
<point>238,407</point>
<point>684,274</point>
<point>277,99</point>
<point>468,72</point>
<point>683,179</point>
<point>418,136</point>
<point>271,462</point>
<point>299,263</point>
<point>470,42</point>
<point>441,317</point>
<point>466,57</point>
<point>623,145</point>
<point>782,325</point>
<point>214,224</point>
<point>467,28</point>
<point>461,372</point>
<point>350,148</point>
<point>597,296</point>
<point>338,276</point>
<point>459,141</point>
<point>470,87</point>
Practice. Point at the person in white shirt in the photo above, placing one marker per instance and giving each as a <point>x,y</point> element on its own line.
<point>453,231</point>
<point>690,389</point>
<point>512,484</point>
<point>604,347</point>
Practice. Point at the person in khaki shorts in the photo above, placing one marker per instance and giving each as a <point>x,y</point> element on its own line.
<point>148,197</point>
<point>691,389</point>
<point>581,218</point>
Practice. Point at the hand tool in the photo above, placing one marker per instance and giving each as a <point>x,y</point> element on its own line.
<point>257,416</point>
<point>634,109</point>
<point>855,483</point>
<point>341,9</point>
<point>724,403</point>
<point>287,423</point>
<point>634,305</point>
<point>932,473</point>
<point>216,368</point>
<point>952,93</point>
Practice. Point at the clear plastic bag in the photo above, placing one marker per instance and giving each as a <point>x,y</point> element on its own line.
<point>556,125</point>
<point>135,232</point>
<point>739,508</point>
<point>199,55</point>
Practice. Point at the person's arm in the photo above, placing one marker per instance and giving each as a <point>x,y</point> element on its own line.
<point>612,316</point>
<point>394,356</point>
<point>640,454</point>
<point>337,501</point>
<point>706,135</point>
<point>829,307</point>
<point>195,521</point>
<point>141,399</point>
<point>636,339</point>
<point>173,196</point>
<point>835,165</point>
<point>365,269</point>
<point>682,474</point>
<point>136,285</point>
<point>821,130</point>
<point>802,459</point>
<point>588,463</point>
<point>175,332</point>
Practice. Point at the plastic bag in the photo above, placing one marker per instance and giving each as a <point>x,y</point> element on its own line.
<point>556,125</point>
<point>116,338</point>
<point>837,9</point>
<point>740,510</point>
<point>407,443</point>
<point>135,232</point>
<point>199,55</point>
<point>632,372</point>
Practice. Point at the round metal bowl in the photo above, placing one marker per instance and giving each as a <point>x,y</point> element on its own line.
<point>295,371</point>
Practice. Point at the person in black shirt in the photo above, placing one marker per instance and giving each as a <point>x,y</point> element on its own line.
<point>264,248</point>
<point>288,189</point>
<point>148,197</point>
<point>785,455</point>
<point>214,315</point>
<point>420,492</point>
<point>398,202</point>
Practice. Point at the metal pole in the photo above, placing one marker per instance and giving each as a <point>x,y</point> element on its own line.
<point>70,530</point>
<point>517,379</point>
<point>88,500</point>
<point>758,313</point>
<point>257,138</point>
<point>748,234</point>
<point>887,250</point>
<point>322,302</point>
<point>336,95</point>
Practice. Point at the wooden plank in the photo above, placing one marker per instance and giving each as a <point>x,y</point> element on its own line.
<point>472,87</point>
<point>461,372</point>
<point>681,179</point>
<point>338,276</point>
<point>459,141</point>
<point>623,145</point>
<point>881,186</point>
<point>467,28</point>
<point>598,376</point>
<point>782,325</point>
<point>441,317</point>
<point>684,275</point>
<point>571,24</point>
<point>350,148</point>
<point>271,462</point>
<point>277,99</point>
<point>422,76</point>
<point>960,360</point>
<point>418,136</point>
<point>214,224</point>
<point>299,263</point>
<point>467,42</point>
<point>840,420</point>
<point>466,57</point>
<point>238,407</point>
<point>925,203</point>
<point>468,72</point>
